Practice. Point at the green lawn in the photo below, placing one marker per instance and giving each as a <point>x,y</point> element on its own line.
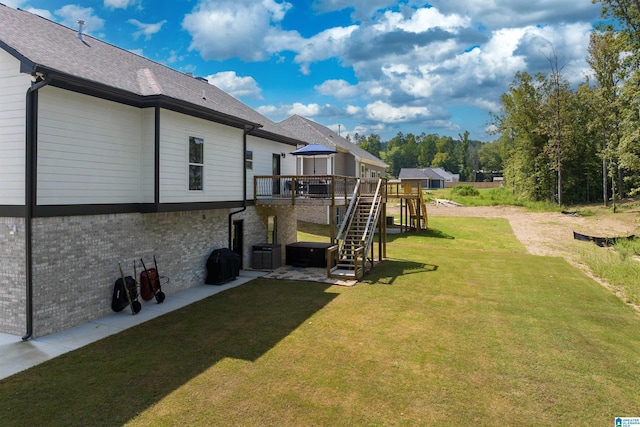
<point>458,327</point>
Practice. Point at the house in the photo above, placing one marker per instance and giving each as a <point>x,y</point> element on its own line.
<point>350,160</point>
<point>106,158</point>
<point>429,178</point>
<point>448,176</point>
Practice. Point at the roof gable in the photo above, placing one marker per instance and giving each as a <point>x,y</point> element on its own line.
<point>54,49</point>
<point>424,173</point>
<point>315,133</point>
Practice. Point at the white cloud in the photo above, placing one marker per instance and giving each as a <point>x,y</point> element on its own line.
<point>337,88</point>
<point>41,12</point>
<point>518,13</point>
<point>271,111</point>
<point>233,28</point>
<point>422,20</point>
<point>353,110</point>
<point>412,63</point>
<point>138,52</point>
<point>235,85</point>
<point>278,10</point>
<point>70,15</point>
<point>327,44</point>
<point>14,3</point>
<point>146,29</point>
<point>362,9</point>
<point>309,110</point>
<point>118,4</point>
<point>386,113</point>
<point>174,57</point>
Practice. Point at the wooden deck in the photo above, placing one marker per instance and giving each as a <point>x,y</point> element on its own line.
<point>316,190</point>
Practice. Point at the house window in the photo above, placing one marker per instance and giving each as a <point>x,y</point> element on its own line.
<point>362,172</point>
<point>248,159</point>
<point>272,230</point>
<point>196,163</point>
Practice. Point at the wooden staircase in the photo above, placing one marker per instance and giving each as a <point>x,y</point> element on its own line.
<point>418,212</point>
<point>348,258</point>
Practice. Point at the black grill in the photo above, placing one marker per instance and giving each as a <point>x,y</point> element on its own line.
<point>223,266</point>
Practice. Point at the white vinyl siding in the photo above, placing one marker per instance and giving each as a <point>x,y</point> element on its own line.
<point>148,155</point>
<point>263,151</point>
<point>343,161</point>
<point>223,159</point>
<point>89,150</point>
<point>13,89</point>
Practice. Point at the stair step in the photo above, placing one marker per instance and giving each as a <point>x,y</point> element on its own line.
<point>345,267</point>
<point>343,273</point>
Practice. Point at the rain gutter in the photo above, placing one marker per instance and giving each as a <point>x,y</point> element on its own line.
<point>31,152</point>
<point>247,130</point>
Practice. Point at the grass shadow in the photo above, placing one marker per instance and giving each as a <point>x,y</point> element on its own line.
<point>124,374</point>
<point>389,270</point>
<point>431,233</point>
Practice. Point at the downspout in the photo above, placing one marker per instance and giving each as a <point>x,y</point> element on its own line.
<point>31,151</point>
<point>247,131</point>
<point>156,160</point>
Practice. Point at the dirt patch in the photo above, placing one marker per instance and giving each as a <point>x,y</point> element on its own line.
<point>548,233</point>
<point>551,234</point>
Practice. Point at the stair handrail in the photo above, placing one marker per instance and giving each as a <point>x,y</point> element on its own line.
<point>372,211</point>
<point>346,222</point>
<point>371,234</point>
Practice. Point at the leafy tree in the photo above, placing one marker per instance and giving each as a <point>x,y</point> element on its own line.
<point>401,152</point>
<point>462,157</point>
<point>606,119</point>
<point>556,119</point>
<point>370,143</point>
<point>427,149</point>
<point>490,157</point>
<point>626,14</point>
<point>442,160</point>
<point>526,166</point>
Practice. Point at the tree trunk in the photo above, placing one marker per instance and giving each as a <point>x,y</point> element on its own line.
<point>559,173</point>
<point>605,194</point>
<point>620,184</point>
<point>613,192</point>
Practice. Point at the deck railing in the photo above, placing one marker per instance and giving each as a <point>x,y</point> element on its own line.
<point>295,187</point>
<point>403,189</point>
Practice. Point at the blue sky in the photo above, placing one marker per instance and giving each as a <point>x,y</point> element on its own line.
<point>365,66</point>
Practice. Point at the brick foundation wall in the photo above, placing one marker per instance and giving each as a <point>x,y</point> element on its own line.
<point>75,259</point>
<point>12,276</point>
<point>286,231</point>
<point>314,214</point>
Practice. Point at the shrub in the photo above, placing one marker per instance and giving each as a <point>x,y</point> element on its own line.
<point>465,190</point>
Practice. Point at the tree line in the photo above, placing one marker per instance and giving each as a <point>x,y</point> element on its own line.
<point>578,145</point>
<point>473,160</point>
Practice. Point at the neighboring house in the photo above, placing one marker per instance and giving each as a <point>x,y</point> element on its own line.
<point>427,177</point>
<point>350,160</point>
<point>106,158</point>
<point>448,176</point>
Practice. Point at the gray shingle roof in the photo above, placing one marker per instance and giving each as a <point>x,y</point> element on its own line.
<point>425,173</point>
<point>314,133</point>
<point>43,45</point>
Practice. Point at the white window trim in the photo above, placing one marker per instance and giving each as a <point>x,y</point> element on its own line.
<point>189,164</point>
<point>248,162</point>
